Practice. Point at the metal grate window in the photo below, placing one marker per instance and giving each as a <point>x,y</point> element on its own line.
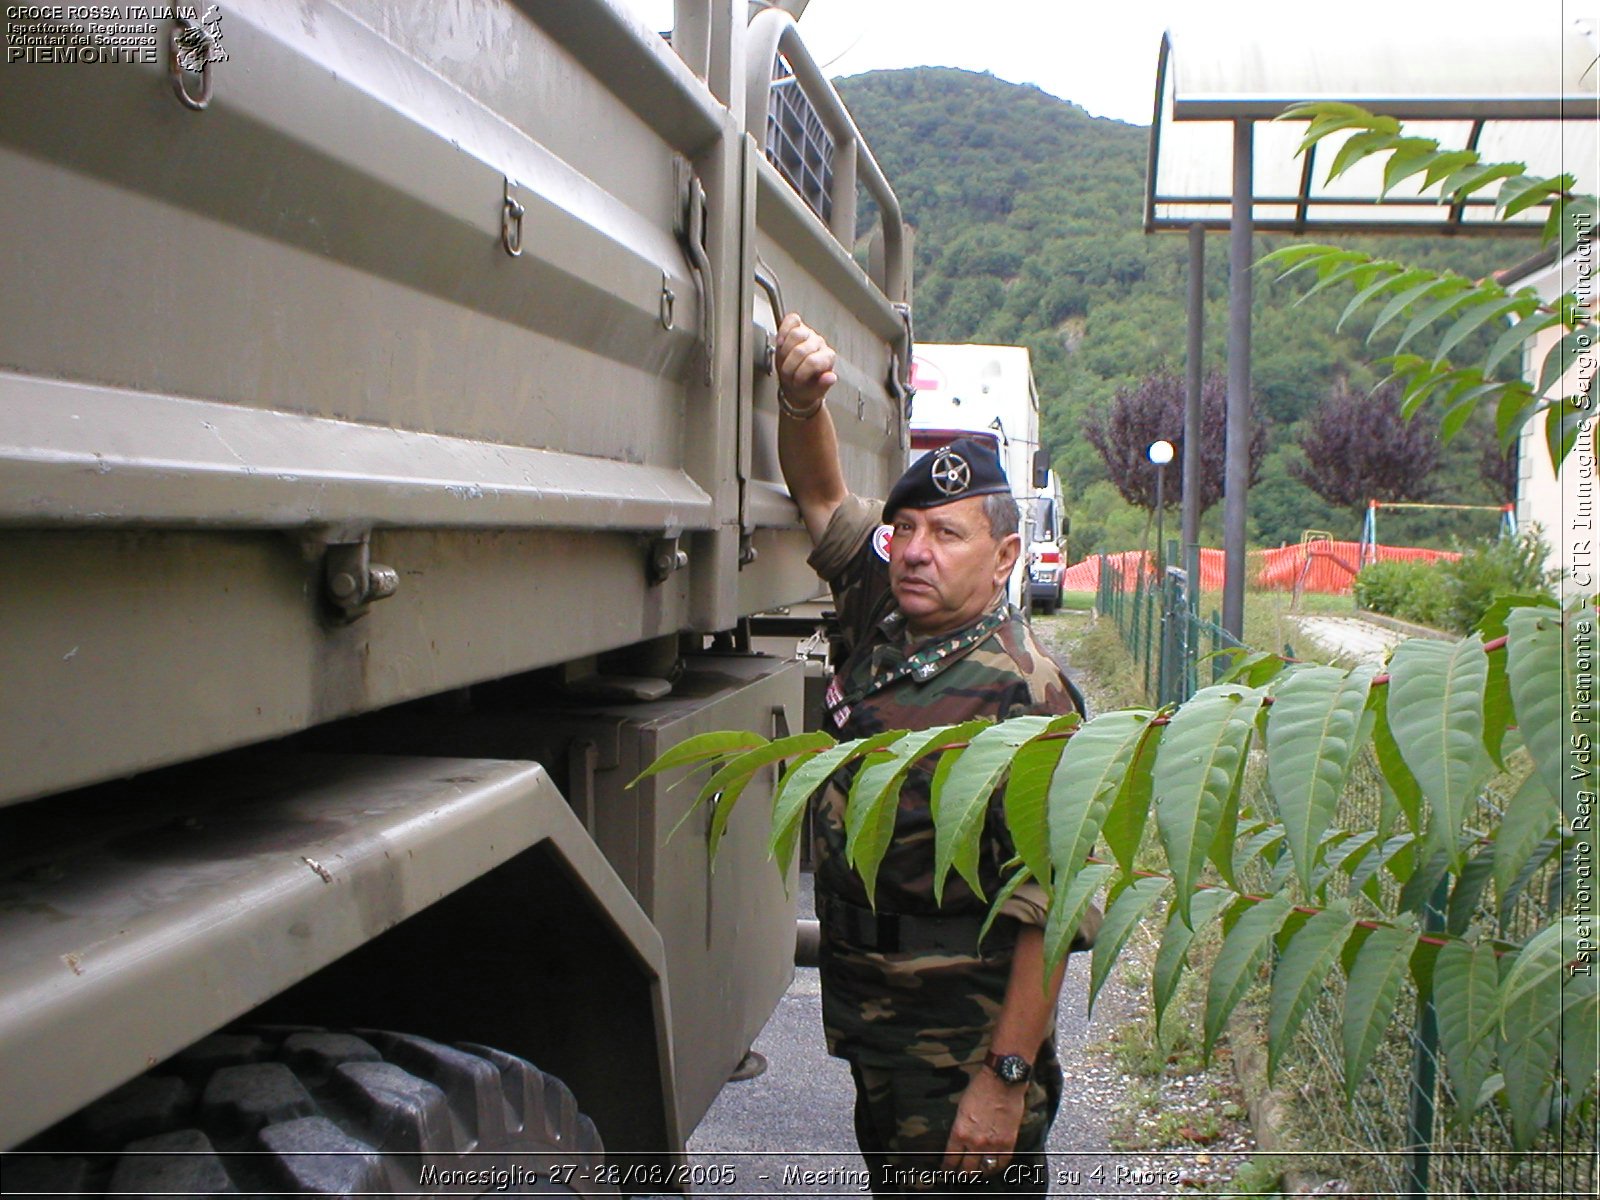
<point>797,142</point>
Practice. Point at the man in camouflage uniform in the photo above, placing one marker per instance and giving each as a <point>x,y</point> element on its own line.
<point>951,1043</point>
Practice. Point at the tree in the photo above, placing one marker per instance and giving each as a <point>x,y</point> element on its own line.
<point>1151,411</point>
<point>1453,305</point>
<point>1358,448</point>
<point>1497,467</point>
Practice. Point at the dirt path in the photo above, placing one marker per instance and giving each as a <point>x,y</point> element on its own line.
<point>1176,1132</point>
<point>1348,639</point>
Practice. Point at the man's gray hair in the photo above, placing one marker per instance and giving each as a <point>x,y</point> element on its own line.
<point>1001,509</point>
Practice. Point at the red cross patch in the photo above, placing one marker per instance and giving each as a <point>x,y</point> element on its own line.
<point>881,537</point>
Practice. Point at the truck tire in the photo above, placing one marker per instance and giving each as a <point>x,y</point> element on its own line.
<point>300,1110</point>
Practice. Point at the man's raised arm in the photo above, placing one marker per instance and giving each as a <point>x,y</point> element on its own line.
<point>808,447</point>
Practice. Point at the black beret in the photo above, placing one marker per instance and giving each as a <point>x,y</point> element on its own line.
<point>966,467</point>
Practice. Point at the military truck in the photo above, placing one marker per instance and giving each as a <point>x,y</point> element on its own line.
<point>387,475</point>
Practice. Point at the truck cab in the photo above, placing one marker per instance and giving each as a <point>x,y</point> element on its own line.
<point>1047,552</point>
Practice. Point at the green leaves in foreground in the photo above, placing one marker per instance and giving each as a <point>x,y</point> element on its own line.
<point>1197,773</point>
<point>1450,307</point>
<point>1304,890</point>
<point>1371,993</point>
<point>1311,744</point>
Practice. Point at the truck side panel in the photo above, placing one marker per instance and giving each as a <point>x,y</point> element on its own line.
<point>299,325</point>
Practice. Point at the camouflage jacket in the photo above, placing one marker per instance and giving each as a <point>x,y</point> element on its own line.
<point>994,668</point>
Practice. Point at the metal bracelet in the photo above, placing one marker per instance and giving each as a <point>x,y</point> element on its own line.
<point>794,412</point>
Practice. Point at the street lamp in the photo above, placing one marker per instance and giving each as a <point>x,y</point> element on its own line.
<point>1160,453</point>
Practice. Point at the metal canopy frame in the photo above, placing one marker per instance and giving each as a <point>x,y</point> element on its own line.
<point>1521,90</point>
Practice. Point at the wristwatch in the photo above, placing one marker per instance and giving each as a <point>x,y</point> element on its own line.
<point>1013,1069</point>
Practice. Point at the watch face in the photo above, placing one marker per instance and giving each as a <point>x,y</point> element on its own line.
<point>1012,1068</point>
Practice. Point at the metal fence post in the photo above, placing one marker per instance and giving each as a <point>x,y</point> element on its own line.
<point>1424,1066</point>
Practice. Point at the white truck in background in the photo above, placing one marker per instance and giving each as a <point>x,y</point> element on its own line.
<point>1047,551</point>
<point>988,392</point>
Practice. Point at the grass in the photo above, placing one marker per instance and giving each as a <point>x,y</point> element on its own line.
<point>1261,1176</point>
<point>1268,625</point>
<point>1098,661</point>
<point>1149,1055</point>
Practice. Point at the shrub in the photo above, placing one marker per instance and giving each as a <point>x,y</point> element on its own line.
<point>1505,567</point>
<point>1455,594</point>
<point>1386,587</point>
<point>1430,599</point>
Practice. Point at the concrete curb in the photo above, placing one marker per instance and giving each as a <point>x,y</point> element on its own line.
<point>1405,627</point>
<point>1268,1106</point>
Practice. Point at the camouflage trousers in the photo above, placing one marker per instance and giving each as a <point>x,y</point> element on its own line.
<point>903,1119</point>
<point>914,1028</point>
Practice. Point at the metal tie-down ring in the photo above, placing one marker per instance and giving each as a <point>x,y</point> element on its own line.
<point>189,42</point>
<point>512,211</point>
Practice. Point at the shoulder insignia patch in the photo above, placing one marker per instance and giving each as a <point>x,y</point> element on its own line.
<point>881,536</point>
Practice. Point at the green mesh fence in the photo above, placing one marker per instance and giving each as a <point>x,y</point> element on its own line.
<point>1159,621</point>
<point>1401,1132</point>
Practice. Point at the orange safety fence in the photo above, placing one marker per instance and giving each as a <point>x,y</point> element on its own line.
<point>1325,566</point>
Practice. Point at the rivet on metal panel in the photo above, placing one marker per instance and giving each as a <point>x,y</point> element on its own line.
<point>190,51</point>
<point>668,299</point>
<point>511,214</point>
<point>382,582</point>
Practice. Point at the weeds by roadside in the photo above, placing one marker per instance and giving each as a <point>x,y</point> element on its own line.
<point>1176,1109</point>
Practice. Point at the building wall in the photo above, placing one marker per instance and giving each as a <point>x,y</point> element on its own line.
<point>1562,507</point>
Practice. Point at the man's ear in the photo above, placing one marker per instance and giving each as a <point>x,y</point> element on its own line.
<point>1006,555</point>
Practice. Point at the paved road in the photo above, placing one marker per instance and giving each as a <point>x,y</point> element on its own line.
<point>795,1118</point>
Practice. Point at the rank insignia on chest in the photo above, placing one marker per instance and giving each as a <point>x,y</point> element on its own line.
<point>833,702</point>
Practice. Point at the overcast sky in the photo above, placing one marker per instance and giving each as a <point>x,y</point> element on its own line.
<point>1100,54</point>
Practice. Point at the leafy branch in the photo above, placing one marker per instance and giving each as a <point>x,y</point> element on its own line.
<point>1335,896</point>
<point>1247,785</point>
<point>1452,303</point>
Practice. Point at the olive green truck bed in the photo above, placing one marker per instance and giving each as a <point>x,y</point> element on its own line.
<point>388,474</point>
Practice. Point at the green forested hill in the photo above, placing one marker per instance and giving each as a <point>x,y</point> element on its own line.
<point>1028,231</point>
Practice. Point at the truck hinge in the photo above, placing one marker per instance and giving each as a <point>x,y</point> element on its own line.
<point>351,580</point>
<point>900,362</point>
<point>512,210</point>
<point>690,227</point>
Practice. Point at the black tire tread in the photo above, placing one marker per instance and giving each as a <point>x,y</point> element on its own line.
<point>249,1112</point>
